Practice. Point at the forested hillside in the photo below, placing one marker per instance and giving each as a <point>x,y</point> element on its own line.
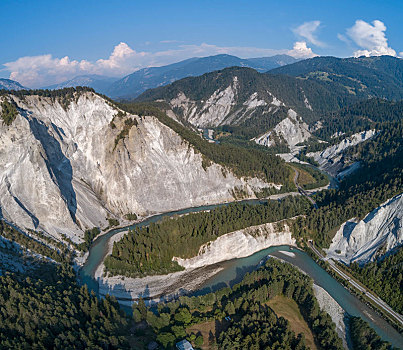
<point>149,250</point>
<point>132,85</point>
<point>363,115</point>
<point>291,91</point>
<point>361,77</point>
<point>378,179</point>
<point>48,310</point>
<point>242,161</point>
<point>241,315</point>
<point>385,278</point>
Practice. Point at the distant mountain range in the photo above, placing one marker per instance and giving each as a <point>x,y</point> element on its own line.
<point>8,84</point>
<point>289,100</point>
<point>134,84</point>
<point>327,83</point>
<point>99,83</point>
<point>361,77</point>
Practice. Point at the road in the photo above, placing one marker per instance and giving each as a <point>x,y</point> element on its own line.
<point>379,302</point>
<point>301,190</point>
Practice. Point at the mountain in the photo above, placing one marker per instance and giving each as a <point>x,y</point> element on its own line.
<point>362,77</point>
<point>76,182</point>
<point>8,84</point>
<point>134,84</point>
<point>263,64</point>
<point>249,104</point>
<point>99,83</point>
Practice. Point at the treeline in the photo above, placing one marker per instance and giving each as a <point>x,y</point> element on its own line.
<point>243,321</point>
<point>65,96</point>
<point>259,123</point>
<point>360,116</point>
<point>8,112</point>
<point>52,312</point>
<point>89,236</point>
<point>149,250</point>
<point>364,337</point>
<point>61,254</point>
<point>385,278</point>
<point>47,93</point>
<point>242,161</point>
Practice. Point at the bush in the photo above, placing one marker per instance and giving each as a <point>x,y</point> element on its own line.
<point>8,112</point>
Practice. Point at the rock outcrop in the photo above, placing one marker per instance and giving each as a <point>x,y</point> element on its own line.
<point>331,159</point>
<point>291,130</point>
<point>199,269</point>
<point>65,166</point>
<point>336,312</point>
<point>240,244</point>
<point>379,232</point>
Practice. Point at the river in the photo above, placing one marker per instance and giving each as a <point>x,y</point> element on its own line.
<point>234,270</point>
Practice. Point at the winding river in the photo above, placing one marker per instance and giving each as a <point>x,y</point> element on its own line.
<point>234,270</point>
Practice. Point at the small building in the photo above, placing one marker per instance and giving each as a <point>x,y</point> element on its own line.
<point>184,345</point>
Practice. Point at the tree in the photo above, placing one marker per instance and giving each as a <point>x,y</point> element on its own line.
<point>183,316</point>
<point>166,339</point>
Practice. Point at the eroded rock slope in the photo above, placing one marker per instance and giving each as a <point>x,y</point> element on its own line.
<point>68,165</point>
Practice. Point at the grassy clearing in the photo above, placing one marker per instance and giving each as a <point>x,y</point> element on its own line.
<point>310,178</point>
<point>288,308</point>
<point>305,178</point>
<point>208,331</point>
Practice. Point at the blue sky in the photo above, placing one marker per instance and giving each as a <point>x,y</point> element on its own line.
<point>48,41</point>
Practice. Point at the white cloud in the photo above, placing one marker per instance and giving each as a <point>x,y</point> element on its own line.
<point>307,30</point>
<point>370,38</point>
<point>44,70</point>
<point>401,54</point>
<point>343,38</point>
<point>37,71</point>
<point>170,41</point>
<point>301,50</point>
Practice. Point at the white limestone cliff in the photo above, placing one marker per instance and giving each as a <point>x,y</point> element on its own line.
<point>331,159</point>
<point>224,107</point>
<point>62,170</point>
<point>336,312</point>
<point>232,245</point>
<point>292,130</point>
<point>379,232</point>
<point>239,244</point>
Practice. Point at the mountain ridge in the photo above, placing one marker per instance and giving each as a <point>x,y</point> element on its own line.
<point>134,84</point>
<point>8,84</point>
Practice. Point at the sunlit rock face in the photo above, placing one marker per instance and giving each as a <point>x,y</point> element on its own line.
<point>378,233</point>
<point>65,167</point>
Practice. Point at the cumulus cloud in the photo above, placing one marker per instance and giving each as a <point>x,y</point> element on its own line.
<point>301,50</point>
<point>370,38</point>
<point>44,70</point>
<point>307,30</point>
<point>37,71</point>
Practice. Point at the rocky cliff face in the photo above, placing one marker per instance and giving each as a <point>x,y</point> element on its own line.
<point>335,311</point>
<point>331,159</point>
<point>380,231</point>
<point>228,106</point>
<point>291,130</point>
<point>198,269</point>
<point>66,166</point>
<point>240,244</point>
